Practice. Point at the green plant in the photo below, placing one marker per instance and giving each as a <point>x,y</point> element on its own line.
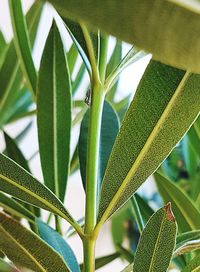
<point>119,146</point>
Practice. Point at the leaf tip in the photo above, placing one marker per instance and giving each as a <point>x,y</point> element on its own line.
<point>168,211</point>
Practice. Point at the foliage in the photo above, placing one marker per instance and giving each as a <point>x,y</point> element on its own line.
<point>120,144</point>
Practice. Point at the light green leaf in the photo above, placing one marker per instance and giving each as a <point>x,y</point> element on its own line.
<point>128,268</point>
<point>149,131</point>
<point>54,114</point>
<point>25,248</point>
<point>107,138</point>
<point>193,266</point>
<point>55,240</point>
<point>160,235</point>
<point>13,98</point>
<point>187,215</point>
<point>6,267</point>
<point>72,56</point>
<point>174,40</point>
<point>78,79</point>
<point>16,181</point>
<point>22,44</point>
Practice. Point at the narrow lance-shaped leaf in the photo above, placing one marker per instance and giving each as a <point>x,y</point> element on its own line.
<point>55,240</point>
<point>54,114</point>
<point>16,181</point>
<point>26,249</point>
<point>10,74</point>
<point>174,40</point>
<point>160,236</point>
<point>187,242</point>
<point>3,47</point>
<point>22,43</point>
<point>107,138</point>
<point>187,215</point>
<point>149,131</point>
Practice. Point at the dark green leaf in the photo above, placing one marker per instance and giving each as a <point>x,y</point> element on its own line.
<point>54,114</point>
<point>156,245</point>
<point>26,249</point>
<point>187,215</point>
<point>107,138</point>
<point>149,131</point>
<point>53,238</point>
<point>3,48</point>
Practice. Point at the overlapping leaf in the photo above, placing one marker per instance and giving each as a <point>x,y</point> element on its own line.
<point>26,249</point>
<point>174,40</point>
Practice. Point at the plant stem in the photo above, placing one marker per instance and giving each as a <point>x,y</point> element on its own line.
<point>138,215</point>
<point>103,57</point>
<point>58,225</point>
<point>93,157</point>
<point>89,255</point>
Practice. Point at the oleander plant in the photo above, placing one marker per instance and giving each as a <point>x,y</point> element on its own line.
<point>119,144</point>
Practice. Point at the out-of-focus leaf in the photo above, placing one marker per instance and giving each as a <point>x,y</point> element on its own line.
<point>163,96</point>
<point>193,266</point>
<point>3,47</point>
<point>54,114</point>
<point>187,241</point>
<point>187,215</point>
<point>55,240</point>
<point>25,248</point>
<point>19,183</point>
<point>13,98</point>
<point>107,138</point>
<point>78,79</point>
<point>156,244</point>
<point>145,209</point>
<point>72,57</point>
<point>129,268</point>
<point>175,43</point>
<point>15,208</point>
<point>22,43</point>
<point>6,267</point>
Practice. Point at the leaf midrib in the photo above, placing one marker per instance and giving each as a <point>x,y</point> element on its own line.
<point>24,249</point>
<point>156,245</point>
<point>143,152</point>
<point>42,200</point>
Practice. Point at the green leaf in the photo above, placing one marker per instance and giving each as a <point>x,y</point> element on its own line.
<point>54,114</point>
<point>72,56</point>
<point>14,152</point>
<point>128,268</point>
<point>143,141</point>
<point>107,138</point>
<point>159,234</point>
<point>5,267</point>
<point>193,266</point>
<point>22,43</point>
<point>27,249</point>
<point>3,47</point>
<point>187,215</point>
<point>175,43</point>
<point>19,183</point>
<point>78,79</point>
<point>187,242</point>
<point>15,208</point>
<point>12,97</point>
<point>55,240</point>
<point>145,209</point>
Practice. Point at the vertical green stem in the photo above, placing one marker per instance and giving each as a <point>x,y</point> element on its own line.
<point>89,255</point>
<point>103,57</point>
<point>137,213</point>
<point>93,157</point>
